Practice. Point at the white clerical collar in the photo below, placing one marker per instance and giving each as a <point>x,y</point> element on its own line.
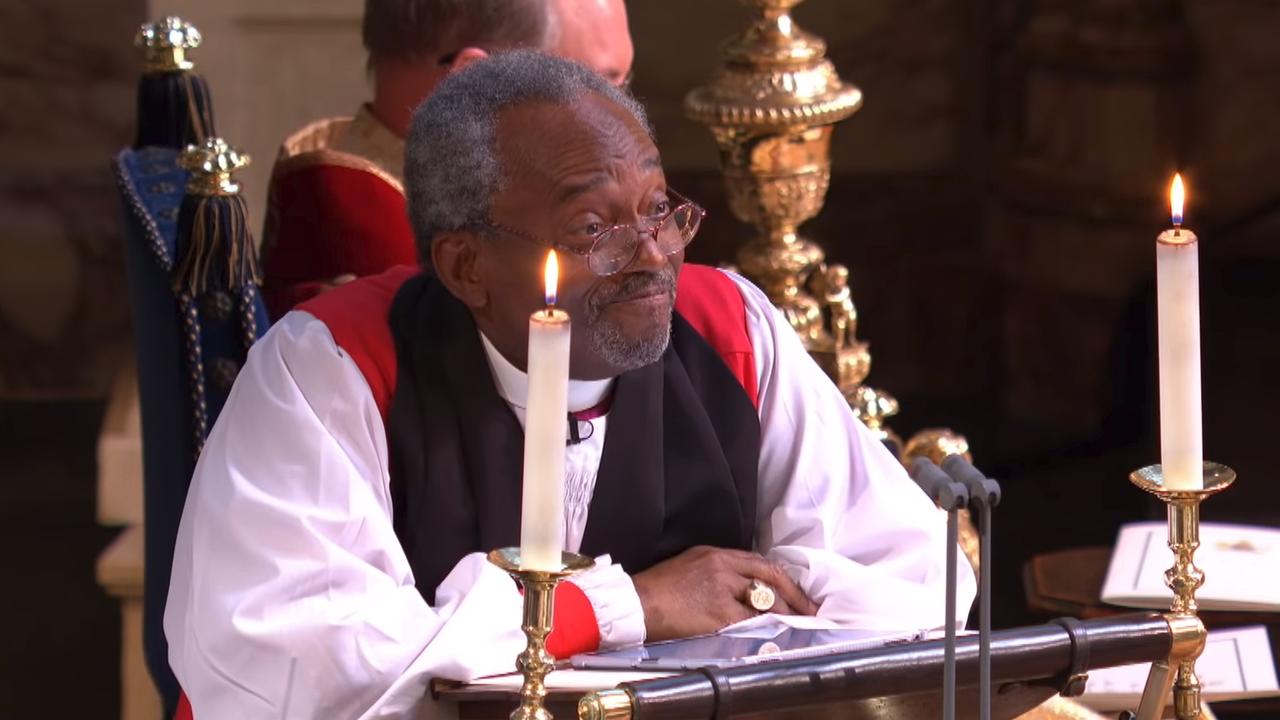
<point>513,383</point>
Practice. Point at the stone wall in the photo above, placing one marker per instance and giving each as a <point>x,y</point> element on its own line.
<point>1098,103</point>
<point>1233,108</point>
<point>67,73</point>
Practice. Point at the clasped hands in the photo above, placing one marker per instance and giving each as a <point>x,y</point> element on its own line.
<point>704,589</point>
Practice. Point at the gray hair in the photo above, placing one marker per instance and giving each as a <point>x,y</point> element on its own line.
<point>451,167</point>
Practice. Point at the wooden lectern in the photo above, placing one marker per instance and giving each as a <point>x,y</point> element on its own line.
<point>1028,666</point>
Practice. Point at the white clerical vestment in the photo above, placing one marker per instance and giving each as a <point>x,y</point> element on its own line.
<point>292,597</point>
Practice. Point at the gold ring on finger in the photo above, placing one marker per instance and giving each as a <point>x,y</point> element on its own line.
<point>761,596</point>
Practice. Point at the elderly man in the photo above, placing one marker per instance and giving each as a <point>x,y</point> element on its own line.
<point>336,201</point>
<point>331,557</point>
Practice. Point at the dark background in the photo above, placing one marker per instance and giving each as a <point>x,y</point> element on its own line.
<point>996,201</point>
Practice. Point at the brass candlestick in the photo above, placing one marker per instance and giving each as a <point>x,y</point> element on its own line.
<point>1184,578</point>
<point>539,611</point>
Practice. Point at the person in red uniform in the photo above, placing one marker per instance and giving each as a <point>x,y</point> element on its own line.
<point>336,207</point>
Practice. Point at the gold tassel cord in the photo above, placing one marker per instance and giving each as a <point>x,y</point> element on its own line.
<point>216,247</point>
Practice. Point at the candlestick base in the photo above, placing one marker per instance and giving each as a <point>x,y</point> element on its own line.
<point>539,611</point>
<point>1183,578</point>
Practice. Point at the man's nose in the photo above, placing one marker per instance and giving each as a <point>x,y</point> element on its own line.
<point>648,256</point>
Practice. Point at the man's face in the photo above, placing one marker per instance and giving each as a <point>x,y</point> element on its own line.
<point>572,172</point>
<point>595,33</point>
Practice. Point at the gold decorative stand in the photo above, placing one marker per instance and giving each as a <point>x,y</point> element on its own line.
<point>1184,578</point>
<point>771,107</point>
<point>539,611</point>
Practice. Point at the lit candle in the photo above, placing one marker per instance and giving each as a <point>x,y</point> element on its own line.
<point>1178,296</point>
<point>546,425</point>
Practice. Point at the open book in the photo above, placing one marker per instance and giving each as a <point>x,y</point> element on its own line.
<point>1239,562</point>
<point>1235,664</point>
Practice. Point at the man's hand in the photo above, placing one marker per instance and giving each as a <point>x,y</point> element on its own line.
<point>704,589</point>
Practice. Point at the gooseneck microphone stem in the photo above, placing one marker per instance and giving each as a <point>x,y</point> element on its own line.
<point>949,665</point>
<point>950,496</point>
<point>984,494</point>
<point>984,609</point>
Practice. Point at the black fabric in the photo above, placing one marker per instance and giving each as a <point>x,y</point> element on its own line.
<point>174,110</point>
<point>679,462</point>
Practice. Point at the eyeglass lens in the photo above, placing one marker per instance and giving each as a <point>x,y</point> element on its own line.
<point>615,250</point>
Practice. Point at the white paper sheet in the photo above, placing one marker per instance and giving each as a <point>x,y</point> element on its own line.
<point>1232,557</point>
<point>1235,664</point>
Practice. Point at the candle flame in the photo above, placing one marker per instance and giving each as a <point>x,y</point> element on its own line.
<point>551,275</point>
<point>1177,197</point>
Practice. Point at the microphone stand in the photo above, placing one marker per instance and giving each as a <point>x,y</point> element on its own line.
<point>950,496</point>
<point>984,494</point>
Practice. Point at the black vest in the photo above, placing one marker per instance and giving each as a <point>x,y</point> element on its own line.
<point>678,468</point>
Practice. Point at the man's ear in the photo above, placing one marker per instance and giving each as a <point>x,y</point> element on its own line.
<point>466,56</point>
<point>458,258</point>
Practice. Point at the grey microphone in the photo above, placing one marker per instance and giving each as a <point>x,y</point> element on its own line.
<point>950,496</point>
<point>984,494</point>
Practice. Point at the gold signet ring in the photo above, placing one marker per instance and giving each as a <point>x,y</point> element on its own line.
<point>760,596</point>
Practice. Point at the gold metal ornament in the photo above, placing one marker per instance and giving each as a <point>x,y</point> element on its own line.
<point>760,596</point>
<point>211,165</point>
<point>165,44</point>
<point>1183,578</point>
<point>539,612</point>
<point>606,705</point>
<point>771,107</point>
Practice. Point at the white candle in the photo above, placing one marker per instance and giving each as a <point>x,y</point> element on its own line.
<point>545,429</point>
<point>1178,296</point>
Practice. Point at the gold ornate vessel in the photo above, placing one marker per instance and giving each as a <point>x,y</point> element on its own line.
<point>772,106</point>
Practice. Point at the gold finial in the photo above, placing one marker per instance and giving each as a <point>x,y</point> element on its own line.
<point>605,705</point>
<point>775,76</point>
<point>165,44</point>
<point>211,166</point>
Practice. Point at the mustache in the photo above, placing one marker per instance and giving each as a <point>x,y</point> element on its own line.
<point>636,284</point>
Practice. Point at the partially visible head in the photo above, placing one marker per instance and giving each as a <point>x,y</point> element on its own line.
<point>414,44</point>
<point>551,150</point>
<point>431,30</point>
<point>594,33</point>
